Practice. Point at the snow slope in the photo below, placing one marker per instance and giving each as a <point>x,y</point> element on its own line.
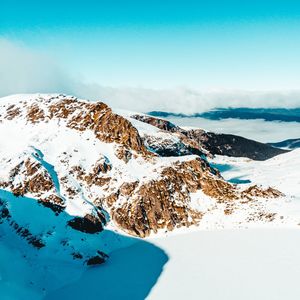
<point>251,264</point>
<point>281,171</point>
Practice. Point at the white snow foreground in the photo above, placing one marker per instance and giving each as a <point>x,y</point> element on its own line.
<point>240,264</point>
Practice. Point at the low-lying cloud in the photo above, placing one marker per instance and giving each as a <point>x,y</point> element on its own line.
<point>259,130</point>
<point>23,70</point>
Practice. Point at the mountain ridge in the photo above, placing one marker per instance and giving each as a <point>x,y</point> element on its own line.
<point>244,113</point>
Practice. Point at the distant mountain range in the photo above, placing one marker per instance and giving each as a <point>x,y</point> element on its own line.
<point>287,144</point>
<point>267,114</point>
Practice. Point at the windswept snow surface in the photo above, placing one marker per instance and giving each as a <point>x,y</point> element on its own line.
<point>260,264</point>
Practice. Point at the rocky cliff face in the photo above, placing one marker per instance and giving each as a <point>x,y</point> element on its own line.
<point>170,140</point>
<point>98,170</point>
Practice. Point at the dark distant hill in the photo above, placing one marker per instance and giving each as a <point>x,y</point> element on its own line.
<point>287,144</point>
<point>233,145</point>
<point>267,114</point>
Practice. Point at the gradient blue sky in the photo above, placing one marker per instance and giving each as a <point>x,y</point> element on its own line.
<point>163,44</point>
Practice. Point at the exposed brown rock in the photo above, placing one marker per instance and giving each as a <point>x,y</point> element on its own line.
<point>35,114</point>
<point>107,126</point>
<point>123,153</point>
<point>164,203</point>
<point>166,147</point>
<point>127,188</point>
<point>37,182</point>
<point>12,112</point>
<point>256,191</point>
<point>262,216</point>
<point>233,145</point>
<point>62,109</point>
<point>157,122</point>
<point>219,189</point>
<point>97,175</point>
<point>111,199</point>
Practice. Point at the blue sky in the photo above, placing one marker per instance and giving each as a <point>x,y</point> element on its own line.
<point>202,45</point>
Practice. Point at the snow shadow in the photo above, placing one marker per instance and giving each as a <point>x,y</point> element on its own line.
<point>239,180</point>
<point>130,273</point>
<point>222,167</point>
<point>53,272</point>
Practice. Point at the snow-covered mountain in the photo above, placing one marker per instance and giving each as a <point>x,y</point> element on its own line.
<point>77,179</point>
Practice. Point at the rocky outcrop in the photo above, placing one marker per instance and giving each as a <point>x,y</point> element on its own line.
<point>81,115</point>
<point>88,224</point>
<point>98,259</point>
<point>98,117</point>
<point>29,177</point>
<point>164,144</point>
<point>165,203</point>
<point>12,112</point>
<point>256,191</point>
<point>157,122</point>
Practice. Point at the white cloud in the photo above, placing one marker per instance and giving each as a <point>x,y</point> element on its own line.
<point>184,100</point>
<point>23,70</point>
<point>260,130</point>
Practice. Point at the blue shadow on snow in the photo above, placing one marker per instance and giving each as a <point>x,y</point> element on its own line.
<point>130,272</point>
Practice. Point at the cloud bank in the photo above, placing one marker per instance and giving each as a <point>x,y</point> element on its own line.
<point>259,130</point>
<point>23,70</point>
